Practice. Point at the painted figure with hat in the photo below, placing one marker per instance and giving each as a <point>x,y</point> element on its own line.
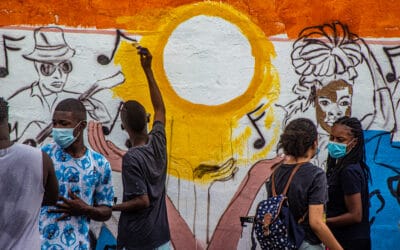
<point>51,57</point>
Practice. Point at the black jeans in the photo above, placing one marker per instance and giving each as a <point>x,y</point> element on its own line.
<point>356,244</point>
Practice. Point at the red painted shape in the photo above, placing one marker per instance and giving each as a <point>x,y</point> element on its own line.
<point>98,142</point>
<point>181,235</point>
<point>228,231</point>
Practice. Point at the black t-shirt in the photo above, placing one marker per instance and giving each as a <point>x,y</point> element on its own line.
<point>144,170</point>
<point>308,187</point>
<point>347,181</point>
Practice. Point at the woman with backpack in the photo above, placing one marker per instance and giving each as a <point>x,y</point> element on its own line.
<point>307,191</point>
<point>348,175</point>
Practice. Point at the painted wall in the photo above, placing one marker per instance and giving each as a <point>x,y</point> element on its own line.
<point>232,74</point>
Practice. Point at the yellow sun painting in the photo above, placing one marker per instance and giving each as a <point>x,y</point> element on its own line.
<point>208,141</point>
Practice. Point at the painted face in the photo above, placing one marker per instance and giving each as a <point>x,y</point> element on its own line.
<point>53,75</point>
<point>333,102</point>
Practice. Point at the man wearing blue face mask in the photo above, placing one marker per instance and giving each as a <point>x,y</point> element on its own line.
<point>84,176</point>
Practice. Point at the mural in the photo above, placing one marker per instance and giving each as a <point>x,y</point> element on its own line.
<point>328,59</point>
<point>232,75</point>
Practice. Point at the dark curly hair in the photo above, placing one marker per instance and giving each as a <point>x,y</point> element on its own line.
<point>298,136</point>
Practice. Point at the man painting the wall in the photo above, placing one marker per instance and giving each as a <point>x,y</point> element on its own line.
<point>143,223</point>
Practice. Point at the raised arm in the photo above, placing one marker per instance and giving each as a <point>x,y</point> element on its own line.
<point>50,182</point>
<point>155,94</point>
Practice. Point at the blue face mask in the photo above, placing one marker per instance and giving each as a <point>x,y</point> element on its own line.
<point>337,150</point>
<point>64,137</point>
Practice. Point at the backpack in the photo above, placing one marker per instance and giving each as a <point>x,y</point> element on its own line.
<point>274,224</point>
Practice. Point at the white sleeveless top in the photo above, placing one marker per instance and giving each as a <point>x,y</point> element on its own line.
<point>21,195</point>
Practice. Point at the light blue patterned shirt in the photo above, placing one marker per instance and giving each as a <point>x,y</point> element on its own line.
<point>89,177</point>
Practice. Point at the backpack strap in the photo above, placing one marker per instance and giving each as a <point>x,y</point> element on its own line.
<point>301,220</point>
<point>253,240</point>
<point>288,182</point>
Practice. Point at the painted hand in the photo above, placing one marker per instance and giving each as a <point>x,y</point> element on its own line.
<point>98,142</point>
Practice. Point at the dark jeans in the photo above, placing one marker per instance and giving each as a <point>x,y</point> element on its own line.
<point>356,244</point>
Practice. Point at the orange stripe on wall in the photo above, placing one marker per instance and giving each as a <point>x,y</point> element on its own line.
<point>367,18</point>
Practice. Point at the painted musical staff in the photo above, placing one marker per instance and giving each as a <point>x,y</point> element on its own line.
<point>104,59</point>
<point>260,142</point>
<point>4,46</point>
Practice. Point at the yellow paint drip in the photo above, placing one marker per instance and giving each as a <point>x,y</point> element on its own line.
<point>197,134</point>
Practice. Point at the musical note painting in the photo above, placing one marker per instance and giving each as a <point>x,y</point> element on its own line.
<point>6,43</point>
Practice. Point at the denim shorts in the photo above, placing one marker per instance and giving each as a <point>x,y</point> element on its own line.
<point>307,246</point>
<point>165,246</point>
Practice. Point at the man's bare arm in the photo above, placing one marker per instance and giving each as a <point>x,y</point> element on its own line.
<point>99,213</point>
<point>50,182</point>
<point>133,205</point>
<point>155,94</point>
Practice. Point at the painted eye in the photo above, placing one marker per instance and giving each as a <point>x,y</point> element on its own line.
<point>66,66</point>
<point>345,103</point>
<point>47,69</point>
<point>324,103</point>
